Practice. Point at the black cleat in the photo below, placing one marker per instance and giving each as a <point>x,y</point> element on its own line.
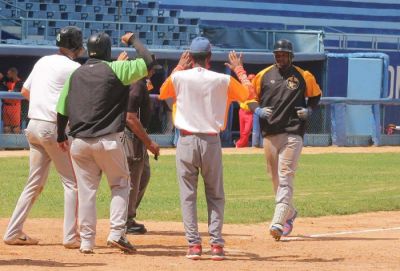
<point>135,228</point>
<point>122,244</point>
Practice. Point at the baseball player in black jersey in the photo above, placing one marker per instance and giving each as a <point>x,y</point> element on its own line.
<point>286,97</point>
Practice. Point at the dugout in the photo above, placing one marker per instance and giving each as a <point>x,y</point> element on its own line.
<point>23,57</point>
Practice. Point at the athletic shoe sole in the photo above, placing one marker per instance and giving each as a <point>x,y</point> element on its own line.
<point>193,257</point>
<point>217,258</point>
<point>123,248</point>
<point>73,245</point>
<point>86,250</point>
<point>276,233</point>
<point>134,232</point>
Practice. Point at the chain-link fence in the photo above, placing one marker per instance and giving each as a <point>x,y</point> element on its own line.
<point>332,123</point>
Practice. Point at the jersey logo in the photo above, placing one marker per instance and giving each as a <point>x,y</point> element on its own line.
<point>272,81</point>
<point>292,83</point>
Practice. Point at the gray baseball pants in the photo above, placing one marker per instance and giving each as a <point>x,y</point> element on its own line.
<point>42,138</point>
<point>201,153</point>
<point>140,176</point>
<point>282,153</point>
<point>91,157</point>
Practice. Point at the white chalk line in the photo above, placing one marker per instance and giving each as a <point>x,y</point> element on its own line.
<point>338,233</point>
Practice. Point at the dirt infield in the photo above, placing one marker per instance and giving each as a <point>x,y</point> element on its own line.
<point>357,242</point>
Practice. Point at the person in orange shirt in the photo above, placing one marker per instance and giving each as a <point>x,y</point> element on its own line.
<point>202,99</point>
<point>245,122</point>
<point>12,107</point>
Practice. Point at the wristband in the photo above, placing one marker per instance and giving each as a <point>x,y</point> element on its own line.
<point>131,39</point>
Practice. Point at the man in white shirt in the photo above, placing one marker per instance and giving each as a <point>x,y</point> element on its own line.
<point>42,89</point>
<point>200,112</point>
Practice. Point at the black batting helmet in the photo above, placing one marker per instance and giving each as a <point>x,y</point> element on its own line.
<point>283,46</point>
<point>99,46</point>
<point>70,37</point>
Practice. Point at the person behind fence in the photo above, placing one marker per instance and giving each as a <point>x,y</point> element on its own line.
<point>12,107</point>
<point>3,86</point>
<point>287,96</point>
<point>245,122</point>
<point>43,88</point>
<point>136,145</point>
<point>94,101</point>
<point>200,112</point>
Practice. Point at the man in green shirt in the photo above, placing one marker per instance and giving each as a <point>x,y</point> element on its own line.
<point>94,101</point>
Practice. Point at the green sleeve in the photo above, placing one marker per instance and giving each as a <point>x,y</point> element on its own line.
<point>129,71</point>
<point>63,99</point>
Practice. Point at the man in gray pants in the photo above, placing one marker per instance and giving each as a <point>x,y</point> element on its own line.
<point>43,88</point>
<point>94,101</point>
<point>202,99</point>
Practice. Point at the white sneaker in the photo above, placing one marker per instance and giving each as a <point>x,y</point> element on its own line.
<point>86,250</point>
<point>74,244</point>
<point>22,240</point>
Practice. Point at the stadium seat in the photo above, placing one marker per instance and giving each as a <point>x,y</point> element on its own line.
<point>111,10</point>
<point>128,11</point>
<point>192,36</point>
<point>64,15</point>
<point>149,19</point>
<point>51,23</point>
<point>176,36</point>
<point>62,7</point>
<point>84,16</point>
<point>152,5</point>
<point>43,7</point>
<point>97,9</point>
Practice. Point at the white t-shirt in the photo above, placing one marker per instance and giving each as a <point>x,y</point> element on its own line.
<point>45,84</point>
<point>202,99</point>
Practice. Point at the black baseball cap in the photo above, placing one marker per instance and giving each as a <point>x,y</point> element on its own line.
<point>70,37</point>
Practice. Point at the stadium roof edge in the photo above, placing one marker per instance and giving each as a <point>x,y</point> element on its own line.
<point>250,56</point>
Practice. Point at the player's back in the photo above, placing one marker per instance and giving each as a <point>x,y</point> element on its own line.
<point>45,84</point>
<point>201,99</point>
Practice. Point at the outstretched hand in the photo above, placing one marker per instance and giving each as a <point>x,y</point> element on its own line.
<point>123,56</point>
<point>185,61</point>
<point>235,60</point>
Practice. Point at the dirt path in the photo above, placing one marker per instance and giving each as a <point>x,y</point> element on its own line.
<point>306,150</point>
<point>356,242</point>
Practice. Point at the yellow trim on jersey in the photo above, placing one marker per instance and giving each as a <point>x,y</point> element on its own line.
<point>312,87</point>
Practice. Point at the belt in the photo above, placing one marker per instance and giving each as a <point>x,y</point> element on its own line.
<point>186,133</point>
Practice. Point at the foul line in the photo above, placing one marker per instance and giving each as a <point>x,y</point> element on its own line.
<point>338,233</point>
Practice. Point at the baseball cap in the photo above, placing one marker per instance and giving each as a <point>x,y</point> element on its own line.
<point>200,45</point>
<point>70,37</point>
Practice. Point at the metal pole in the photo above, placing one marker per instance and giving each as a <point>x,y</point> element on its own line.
<point>119,2</point>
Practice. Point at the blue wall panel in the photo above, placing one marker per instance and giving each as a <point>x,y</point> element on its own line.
<point>359,117</point>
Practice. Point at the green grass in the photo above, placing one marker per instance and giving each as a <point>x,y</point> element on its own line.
<point>326,184</point>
